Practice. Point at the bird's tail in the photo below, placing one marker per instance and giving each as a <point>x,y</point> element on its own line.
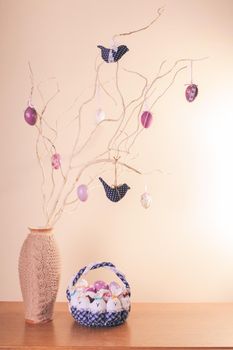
<point>105,185</point>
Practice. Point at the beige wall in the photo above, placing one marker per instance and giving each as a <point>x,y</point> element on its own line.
<point>181,248</point>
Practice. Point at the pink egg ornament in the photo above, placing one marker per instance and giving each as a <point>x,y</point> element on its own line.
<point>191,92</point>
<point>56,161</point>
<point>146,119</point>
<point>91,288</point>
<point>82,192</point>
<point>100,285</point>
<point>30,115</point>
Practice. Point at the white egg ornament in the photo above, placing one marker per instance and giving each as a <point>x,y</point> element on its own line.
<point>146,200</point>
<point>125,302</point>
<point>113,305</point>
<point>82,303</point>
<point>100,116</point>
<point>82,283</point>
<point>98,305</point>
<point>115,288</point>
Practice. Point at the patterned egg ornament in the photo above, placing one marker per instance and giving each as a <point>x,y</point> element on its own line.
<point>114,54</point>
<point>30,115</point>
<point>56,161</point>
<point>116,193</point>
<point>191,92</point>
<point>146,119</point>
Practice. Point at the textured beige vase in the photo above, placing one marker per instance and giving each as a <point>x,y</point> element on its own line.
<point>39,274</point>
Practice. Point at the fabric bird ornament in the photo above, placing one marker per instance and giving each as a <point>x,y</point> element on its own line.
<point>116,193</point>
<point>114,54</point>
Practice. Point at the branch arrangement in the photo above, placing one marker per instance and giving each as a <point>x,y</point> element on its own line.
<point>135,116</point>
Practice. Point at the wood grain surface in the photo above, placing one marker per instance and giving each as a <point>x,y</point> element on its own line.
<point>149,326</point>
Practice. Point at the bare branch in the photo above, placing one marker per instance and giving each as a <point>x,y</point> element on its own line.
<point>78,118</point>
<point>91,163</point>
<point>42,171</point>
<point>159,13</point>
<point>171,83</point>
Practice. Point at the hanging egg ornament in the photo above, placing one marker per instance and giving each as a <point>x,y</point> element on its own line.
<point>146,119</point>
<point>56,161</point>
<point>100,115</point>
<point>30,115</point>
<point>82,192</point>
<point>146,200</point>
<point>191,92</point>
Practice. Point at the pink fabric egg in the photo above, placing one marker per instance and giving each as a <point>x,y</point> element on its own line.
<point>56,161</point>
<point>146,119</point>
<point>30,115</point>
<point>100,285</point>
<point>82,192</point>
<point>91,289</point>
<point>191,92</point>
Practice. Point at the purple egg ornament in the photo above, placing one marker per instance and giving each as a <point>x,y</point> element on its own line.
<point>191,92</point>
<point>146,119</point>
<point>82,193</point>
<point>30,115</point>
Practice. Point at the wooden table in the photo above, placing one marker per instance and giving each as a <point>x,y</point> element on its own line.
<point>149,326</point>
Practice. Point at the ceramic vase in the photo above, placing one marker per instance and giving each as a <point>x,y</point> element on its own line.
<point>39,274</point>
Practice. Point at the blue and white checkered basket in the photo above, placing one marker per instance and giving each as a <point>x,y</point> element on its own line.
<point>104,319</point>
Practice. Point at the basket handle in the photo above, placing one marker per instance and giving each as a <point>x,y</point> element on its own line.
<point>94,266</point>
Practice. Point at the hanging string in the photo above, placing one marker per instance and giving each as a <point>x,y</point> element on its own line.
<point>116,160</point>
<point>98,94</point>
<point>32,85</point>
<point>191,73</point>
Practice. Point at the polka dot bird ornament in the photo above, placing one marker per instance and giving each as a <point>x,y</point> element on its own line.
<point>115,193</point>
<point>113,54</point>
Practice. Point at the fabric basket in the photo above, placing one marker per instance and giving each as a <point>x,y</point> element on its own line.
<point>82,311</point>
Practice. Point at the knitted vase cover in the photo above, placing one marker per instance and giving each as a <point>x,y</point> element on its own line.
<point>39,273</point>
